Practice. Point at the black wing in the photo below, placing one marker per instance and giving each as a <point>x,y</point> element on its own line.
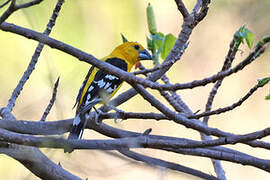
<point>103,82</point>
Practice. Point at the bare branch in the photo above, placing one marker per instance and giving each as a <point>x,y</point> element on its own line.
<point>227,108</point>
<point>29,4</point>
<point>4,4</point>
<point>51,129</point>
<point>131,115</point>
<point>182,8</point>
<point>227,64</point>
<point>50,105</point>
<point>222,155</point>
<point>158,162</point>
<point>14,7</point>
<point>37,127</point>
<point>189,124</point>
<point>137,142</point>
<point>197,6</point>
<point>174,99</point>
<point>34,160</point>
<point>129,77</point>
<point>36,55</point>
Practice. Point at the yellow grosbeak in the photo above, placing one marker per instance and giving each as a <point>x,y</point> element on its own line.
<point>98,82</point>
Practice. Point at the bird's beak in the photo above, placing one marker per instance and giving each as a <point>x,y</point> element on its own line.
<point>144,55</point>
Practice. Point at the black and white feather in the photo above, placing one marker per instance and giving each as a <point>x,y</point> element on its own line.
<point>103,83</point>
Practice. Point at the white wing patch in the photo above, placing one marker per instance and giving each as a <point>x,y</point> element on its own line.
<point>111,77</point>
<point>101,83</point>
<point>88,97</point>
<point>107,85</point>
<point>90,88</point>
<point>110,90</point>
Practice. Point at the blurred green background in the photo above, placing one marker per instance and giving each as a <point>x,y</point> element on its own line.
<point>95,26</point>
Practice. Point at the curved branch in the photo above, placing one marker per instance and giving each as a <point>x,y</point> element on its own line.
<point>227,108</point>
<point>14,7</point>
<point>34,160</point>
<point>158,162</point>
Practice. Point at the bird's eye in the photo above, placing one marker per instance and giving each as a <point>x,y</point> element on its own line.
<point>137,47</point>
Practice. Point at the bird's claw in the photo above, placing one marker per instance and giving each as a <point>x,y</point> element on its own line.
<point>97,116</point>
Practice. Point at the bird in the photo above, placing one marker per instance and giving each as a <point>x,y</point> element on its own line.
<point>99,86</point>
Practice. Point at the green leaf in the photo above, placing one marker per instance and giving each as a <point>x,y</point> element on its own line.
<point>238,36</point>
<point>249,38</point>
<point>168,43</point>
<point>158,39</point>
<point>124,39</point>
<point>149,43</point>
<point>151,19</point>
<point>267,97</point>
<point>263,81</point>
<point>243,34</point>
<point>266,39</point>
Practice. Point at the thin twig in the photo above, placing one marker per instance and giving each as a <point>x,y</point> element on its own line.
<point>50,105</point>
<point>38,50</point>
<point>227,64</point>
<point>174,99</point>
<point>14,7</point>
<point>4,4</point>
<point>227,108</point>
<point>182,8</point>
<point>169,165</point>
<point>197,7</point>
<point>28,4</point>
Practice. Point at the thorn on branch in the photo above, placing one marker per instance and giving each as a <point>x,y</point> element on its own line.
<point>147,132</point>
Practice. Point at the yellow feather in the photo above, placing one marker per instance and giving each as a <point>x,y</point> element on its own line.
<point>126,52</point>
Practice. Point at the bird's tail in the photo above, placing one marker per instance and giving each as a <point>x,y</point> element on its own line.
<point>77,127</point>
<point>76,130</point>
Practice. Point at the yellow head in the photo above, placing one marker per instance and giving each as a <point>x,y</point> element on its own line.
<point>133,52</point>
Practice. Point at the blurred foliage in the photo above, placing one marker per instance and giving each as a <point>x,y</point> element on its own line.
<point>244,34</point>
<point>158,43</point>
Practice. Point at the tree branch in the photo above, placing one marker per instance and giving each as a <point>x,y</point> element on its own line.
<point>227,108</point>
<point>136,142</point>
<point>34,160</point>
<point>16,92</point>
<point>158,162</point>
<point>182,8</point>
<point>50,105</point>
<point>14,7</point>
